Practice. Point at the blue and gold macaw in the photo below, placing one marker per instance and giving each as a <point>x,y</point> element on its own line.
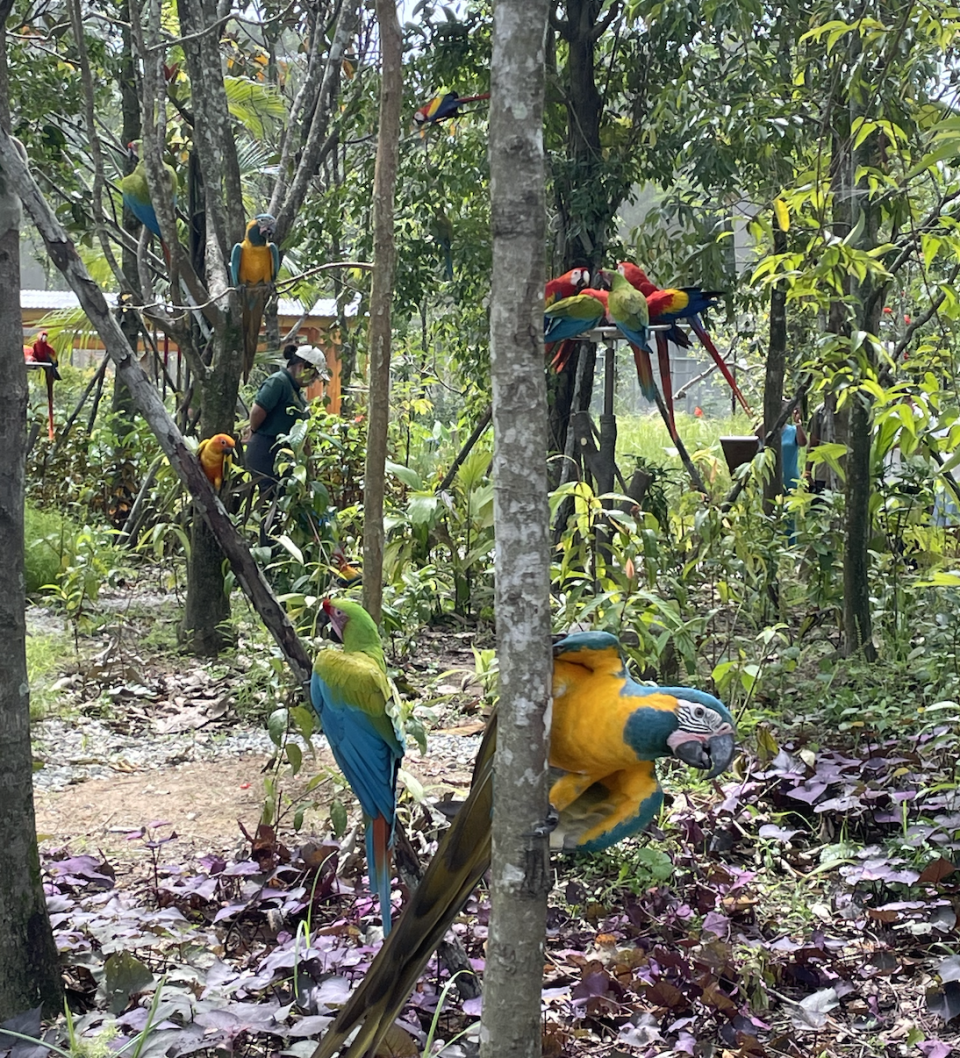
<point>350,690</point>
<point>254,264</point>
<point>136,195</point>
<point>606,732</point>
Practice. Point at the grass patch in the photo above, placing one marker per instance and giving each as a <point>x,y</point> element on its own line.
<point>45,654</point>
<point>49,543</point>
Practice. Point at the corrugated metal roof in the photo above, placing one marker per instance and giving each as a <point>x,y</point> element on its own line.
<point>52,300</point>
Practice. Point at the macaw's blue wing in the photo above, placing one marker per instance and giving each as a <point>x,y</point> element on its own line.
<point>350,693</point>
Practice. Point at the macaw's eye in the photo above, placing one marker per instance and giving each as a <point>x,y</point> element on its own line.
<point>699,712</point>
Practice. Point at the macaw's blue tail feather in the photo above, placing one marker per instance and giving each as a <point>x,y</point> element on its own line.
<point>380,864</point>
<point>666,380</point>
<point>706,341</point>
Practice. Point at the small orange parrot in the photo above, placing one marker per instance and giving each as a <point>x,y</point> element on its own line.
<point>214,454</point>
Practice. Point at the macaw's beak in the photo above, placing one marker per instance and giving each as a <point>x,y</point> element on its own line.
<point>713,754</point>
<point>330,615</point>
<point>267,227</point>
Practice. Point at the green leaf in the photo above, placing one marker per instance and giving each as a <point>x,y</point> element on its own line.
<point>290,546</point>
<point>124,976</point>
<point>277,726</point>
<point>338,818</point>
<point>407,475</point>
<point>294,755</point>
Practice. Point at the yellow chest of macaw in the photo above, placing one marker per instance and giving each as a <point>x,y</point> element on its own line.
<point>589,715</point>
<point>256,263</point>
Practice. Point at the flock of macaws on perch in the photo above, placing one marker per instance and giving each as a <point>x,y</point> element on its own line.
<point>606,732</point>
<point>627,300</point>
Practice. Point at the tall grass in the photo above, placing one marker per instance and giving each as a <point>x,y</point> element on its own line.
<point>49,543</point>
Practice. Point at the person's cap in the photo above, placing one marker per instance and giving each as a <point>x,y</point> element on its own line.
<point>312,355</point>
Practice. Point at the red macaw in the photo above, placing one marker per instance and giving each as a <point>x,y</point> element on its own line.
<point>606,731</point>
<point>445,106</point>
<point>42,352</point>
<point>566,286</point>
<point>683,303</point>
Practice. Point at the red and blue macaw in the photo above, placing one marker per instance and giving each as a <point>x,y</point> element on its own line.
<point>254,265</point>
<point>445,106</point>
<point>565,286</point>
<point>606,732</point>
<point>683,303</point>
<point>351,691</point>
<point>42,352</point>
<point>136,195</point>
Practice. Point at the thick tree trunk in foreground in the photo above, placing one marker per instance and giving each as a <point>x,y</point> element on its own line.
<point>520,867</point>
<point>29,965</point>
<point>381,298</point>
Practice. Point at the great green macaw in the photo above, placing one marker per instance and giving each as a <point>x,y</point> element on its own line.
<point>254,264</point>
<point>680,303</point>
<point>350,690</point>
<point>136,195</point>
<point>570,317</point>
<point>445,106</point>
<point>628,310</point>
<point>606,732</point>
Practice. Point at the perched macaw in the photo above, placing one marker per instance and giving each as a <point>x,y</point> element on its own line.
<point>347,573</point>
<point>350,691</point>
<point>627,308</point>
<point>570,317</point>
<point>215,454</point>
<point>681,303</point>
<point>136,195</point>
<point>42,352</point>
<point>566,286</point>
<point>606,732</point>
<point>445,106</point>
<point>254,264</point>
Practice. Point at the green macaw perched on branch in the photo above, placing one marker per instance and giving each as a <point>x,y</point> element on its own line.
<point>606,731</point>
<point>136,195</point>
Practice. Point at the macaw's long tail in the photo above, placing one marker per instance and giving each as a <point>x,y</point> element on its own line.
<point>49,372</point>
<point>701,332</point>
<point>641,357</point>
<point>460,862</point>
<point>380,864</point>
<point>561,352</point>
<point>254,303</point>
<point>666,380</point>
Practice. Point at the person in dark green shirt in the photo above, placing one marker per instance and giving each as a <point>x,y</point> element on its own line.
<point>278,404</point>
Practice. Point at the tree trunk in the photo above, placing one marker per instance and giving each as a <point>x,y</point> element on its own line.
<point>774,376</point>
<point>29,966</point>
<point>381,298</point>
<point>520,867</point>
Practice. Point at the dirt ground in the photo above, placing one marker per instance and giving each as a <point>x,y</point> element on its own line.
<point>204,802</point>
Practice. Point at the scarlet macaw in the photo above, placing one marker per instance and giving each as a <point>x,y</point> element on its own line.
<point>214,454</point>
<point>683,303</point>
<point>564,320</point>
<point>606,732</point>
<point>136,195</point>
<point>254,264</point>
<point>566,286</point>
<point>347,574</point>
<point>445,106</point>
<point>350,691</point>
<point>42,352</point>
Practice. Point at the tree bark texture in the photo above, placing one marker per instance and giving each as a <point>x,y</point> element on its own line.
<point>206,502</point>
<point>520,865</point>
<point>29,965</point>
<point>381,299</point>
